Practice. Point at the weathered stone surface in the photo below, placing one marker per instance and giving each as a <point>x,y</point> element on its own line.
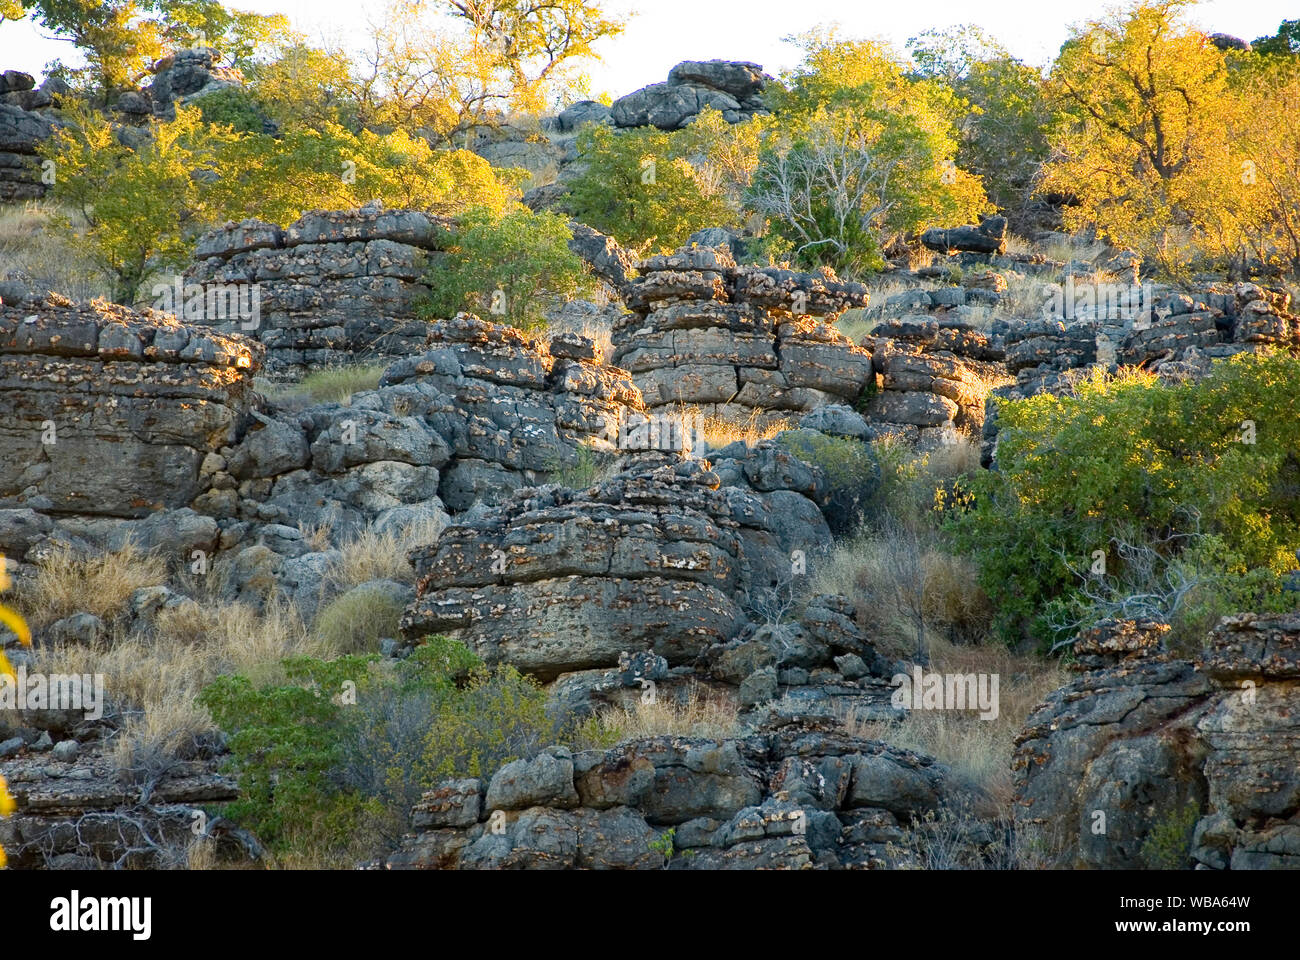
<point>1140,737</point>
<point>791,796</point>
<point>110,412</point>
<point>728,86</point>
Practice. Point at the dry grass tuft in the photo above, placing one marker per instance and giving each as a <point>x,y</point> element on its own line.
<point>698,715</point>
<point>977,751</point>
<point>371,555</point>
<point>33,246</point>
<point>68,582</point>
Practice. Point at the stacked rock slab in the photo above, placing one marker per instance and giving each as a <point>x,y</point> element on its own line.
<point>555,580</point>
<point>800,793</point>
<point>936,375</point>
<point>76,814</point>
<point>655,575</point>
<point>123,424</point>
<point>111,413</point>
<point>335,286</point>
<point>1142,738</point>
<point>738,343</point>
<point>514,410</point>
<point>21,132</point>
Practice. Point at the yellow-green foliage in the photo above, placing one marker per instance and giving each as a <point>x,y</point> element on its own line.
<point>1205,473</point>
<point>1168,846</point>
<point>507,267</point>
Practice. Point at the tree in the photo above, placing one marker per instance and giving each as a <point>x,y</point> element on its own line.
<point>1004,133</point>
<point>508,265</point>
<point>1286,42</point>
<point>121,39</point>
<point>447,67</point>
<point>640,189</point>
<point>862,157</point>
<point>1143,101</point>
<point>141,204</point>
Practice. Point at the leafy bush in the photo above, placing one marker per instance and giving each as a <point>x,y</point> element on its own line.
<point>1205,473</point>
<point>506,266</point>
<point>1169,845</point>
<point>330,763</point>
<point>641,189</point>
<point>851,469</point>
<point>235,107</point>
<point>286,743</point>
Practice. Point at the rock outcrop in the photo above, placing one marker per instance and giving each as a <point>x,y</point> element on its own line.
<point>75,813</point>
<point>1142,738</point>
<point>732,87</point>
<point>800,793</point>
<point>186,75</point>
<point>988,236</point>
<point>935,377</point>
<point>334,286</point>
<point>738,343</point>
<point>113,413</point>
<point>21,132</point>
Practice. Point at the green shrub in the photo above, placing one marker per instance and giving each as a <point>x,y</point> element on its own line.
<point>1169,845</point>
<point>235,107</point>
<point>1128,464</point>
<point>642,190</point>
<point>285,744</point>
<point>506,267</point>
<point>330,763</point>
<point>851,468</point>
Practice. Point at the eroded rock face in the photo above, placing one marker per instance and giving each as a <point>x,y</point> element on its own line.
<point>732,87</point>
<point>800,793</point>
<point>557,580</point>
<point>75,812</point>
<point>21,132</point>
<point>335,284</point>
<point>738,342</point>
<point>111,412</point>
<point>1142,737</point>
<point>936,375</point>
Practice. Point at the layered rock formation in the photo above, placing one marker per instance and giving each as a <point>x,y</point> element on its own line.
<point>75,813</point>
<point>334,286</point>
<point>935,378</point>
<point>800,793</point>
<point>696,574</point>
<point>732,87</point>
<point>738,343</point>
<point>1142,738</point>
<point>21,132</point>
<point>112,413</point>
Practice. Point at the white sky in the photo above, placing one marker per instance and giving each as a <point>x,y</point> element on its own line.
<point>664,32</point>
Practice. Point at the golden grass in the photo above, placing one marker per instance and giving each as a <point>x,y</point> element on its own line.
<point>978,751</point>
<point>67,583</point>
<point>330,385</point>
<point>718,432</point>
<point>371,555</point>
<point>698,715</point>
<point>355,621</point>
<point>33,245</point>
